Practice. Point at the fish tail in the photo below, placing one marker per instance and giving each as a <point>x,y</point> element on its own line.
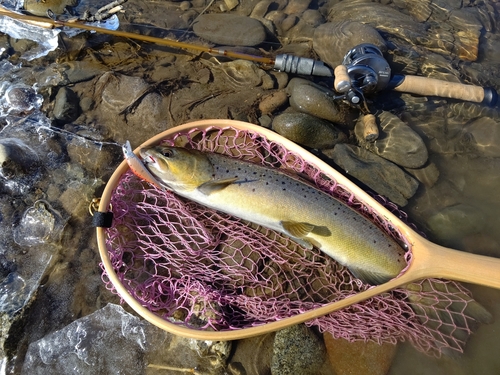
<point>448,312</point>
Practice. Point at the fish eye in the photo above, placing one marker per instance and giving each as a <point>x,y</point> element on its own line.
<point>167,153</point>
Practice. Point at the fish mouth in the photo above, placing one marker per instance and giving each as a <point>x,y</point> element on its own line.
<point>146,156</point>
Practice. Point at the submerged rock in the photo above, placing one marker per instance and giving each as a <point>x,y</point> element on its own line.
<point>333,40</point>
<point>358,357</point>
<point>16,158</point>
<point>66,106</point>
<point>379,174</point>
<point>308,130</point>
<point>482,136</point>
<point>397,142</point>
<point>455,222</point>
<point>230,29</point>
<point>297,350</point>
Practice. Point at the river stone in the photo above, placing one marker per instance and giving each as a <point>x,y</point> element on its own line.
<point>308,130</point>
<point>297,350</point>
<point>455,222</point>
<point>397,142</point>
<point>308,97</point>
<point>482,136</point>
<point>380,175</point>
<point>358,357</point>
<point>16,158</point>
<point>230,29</point>
<point>66,106</point>
<point>333,40</point>
<point>427,174</point>
<point>272,102</point>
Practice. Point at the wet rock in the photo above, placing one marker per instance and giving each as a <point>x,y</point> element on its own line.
<point>16,158</point>
<point>397,142</point>
<point>254,355</point>
<point>40,8</point>
<point>296,6</point>
<point>93,157</point>
<point>382,17</point>
<point>358,357</point>
<point>308,130</point>
<point>142,108</point>
<point>482,136</point>
<point>332,40</point>
<point>308,97</point>
<point>230,29</point>
<point>427,174</point>
<point>297,350</point>
<point>20,99</point>
<point>244,74</point>
<point>455,222</point>
<point>272,102</point>
<point>380,175</point>
<point>66,106</point>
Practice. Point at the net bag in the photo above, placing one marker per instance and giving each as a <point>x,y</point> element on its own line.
<point>206,275</point>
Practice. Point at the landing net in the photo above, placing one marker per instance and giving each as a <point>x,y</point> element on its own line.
<point>208,271</point>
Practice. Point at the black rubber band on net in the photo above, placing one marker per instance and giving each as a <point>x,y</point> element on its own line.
<point>102,219</point>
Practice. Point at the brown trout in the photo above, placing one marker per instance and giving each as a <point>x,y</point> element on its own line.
<point>281,202</point>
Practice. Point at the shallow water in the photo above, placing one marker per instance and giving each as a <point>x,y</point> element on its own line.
<point>131,90</point>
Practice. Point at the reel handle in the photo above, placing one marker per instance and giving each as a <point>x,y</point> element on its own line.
<point>434,87</point>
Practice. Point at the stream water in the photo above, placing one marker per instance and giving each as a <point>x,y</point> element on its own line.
<point>64,114</point>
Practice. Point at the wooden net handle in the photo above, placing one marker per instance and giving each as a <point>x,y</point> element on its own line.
<point>434,87</point>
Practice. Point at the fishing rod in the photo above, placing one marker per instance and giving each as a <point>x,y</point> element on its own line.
<point>364,70</point>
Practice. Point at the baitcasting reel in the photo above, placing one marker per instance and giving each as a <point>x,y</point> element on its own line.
<point>364,70</point>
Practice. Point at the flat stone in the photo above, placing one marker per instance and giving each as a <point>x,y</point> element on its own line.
<point>332,40</point>
<point>382,176</point>
<point>397,142</point>
<point>230,29</point>
<point>272,102</point>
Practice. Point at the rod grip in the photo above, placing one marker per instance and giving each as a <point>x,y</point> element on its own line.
<point>434,87</point>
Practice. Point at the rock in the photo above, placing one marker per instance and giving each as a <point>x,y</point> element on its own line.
<point>253,355</point>
<point>428,174</point>
<point>297,350</point>
<point>308,97</point>
<point>308,130</point>
<point>358,357</point>
<point>332,40</point>
<point>230,29</point>
<point>21,99</point>
<point>272,102</point>
<point>16,158</point>
<point>296,6</point>
<point>93,157</point>
<point>454,222</point>
<point>397,142</point>
<point>482,136</point>
<point>66,106</point>
<point>244,74</point>
<point>382,176</point>
<point>40,8</point>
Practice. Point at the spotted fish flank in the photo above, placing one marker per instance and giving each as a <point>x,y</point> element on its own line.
<point>282,202</point>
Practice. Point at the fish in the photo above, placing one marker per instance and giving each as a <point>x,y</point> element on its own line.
<point>280,201</point>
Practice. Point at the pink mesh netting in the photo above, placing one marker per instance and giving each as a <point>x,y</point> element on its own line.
<point>206,270</point>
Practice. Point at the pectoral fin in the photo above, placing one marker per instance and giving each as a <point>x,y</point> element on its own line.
<point>369,277</point>
<point>210,187</point>
<point>298,231</point>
